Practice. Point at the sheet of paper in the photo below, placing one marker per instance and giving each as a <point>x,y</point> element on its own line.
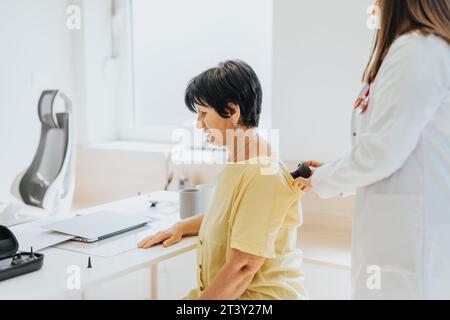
<point>33,235</point>
<point>118,244</point>
<point>39,238</point>
<point>104,248</point>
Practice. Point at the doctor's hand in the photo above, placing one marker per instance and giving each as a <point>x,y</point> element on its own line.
<point>167,237</point>
<point>313,165</point>
<point>304,184</point>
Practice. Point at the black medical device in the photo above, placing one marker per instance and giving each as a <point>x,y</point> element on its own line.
<point>14,263</point>
<point>303,171</point>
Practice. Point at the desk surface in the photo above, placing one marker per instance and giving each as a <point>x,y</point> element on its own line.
<point>51,281</point>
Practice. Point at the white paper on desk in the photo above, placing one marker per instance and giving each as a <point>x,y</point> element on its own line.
<point>118,244</point>
<point>39,238</point>
<point>33,235</point>
<point>108,247</point>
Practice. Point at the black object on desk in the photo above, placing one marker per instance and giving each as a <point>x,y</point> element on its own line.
<point>303,171</point>
<point>12,262</point>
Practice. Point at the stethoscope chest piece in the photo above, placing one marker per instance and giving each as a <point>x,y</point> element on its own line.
<point>362,102</point>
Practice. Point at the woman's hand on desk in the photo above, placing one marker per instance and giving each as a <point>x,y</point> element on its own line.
<point>167,237</point>
<point>187,227</point>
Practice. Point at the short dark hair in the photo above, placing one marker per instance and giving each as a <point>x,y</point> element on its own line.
<point>232,81</point>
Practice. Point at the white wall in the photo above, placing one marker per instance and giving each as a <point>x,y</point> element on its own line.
<point>320,50</point>
<point>35,54</point>
<point>174,40</point>
<point>95,73</point>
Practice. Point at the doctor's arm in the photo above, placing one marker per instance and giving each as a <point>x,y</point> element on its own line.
<point>234,277</point>
<point>410,86</point>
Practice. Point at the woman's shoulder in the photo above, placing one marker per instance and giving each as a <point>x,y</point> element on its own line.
<point>262,165</point>
<point>416,54</point>
<point>416,43</point>
<point>268,171</point>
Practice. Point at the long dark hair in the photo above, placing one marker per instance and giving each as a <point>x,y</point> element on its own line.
<point>399,17</point>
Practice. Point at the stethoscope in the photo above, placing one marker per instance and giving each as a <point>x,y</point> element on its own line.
<point>362,102</point>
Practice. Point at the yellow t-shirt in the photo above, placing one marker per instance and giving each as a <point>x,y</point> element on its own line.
<point>254,210</point>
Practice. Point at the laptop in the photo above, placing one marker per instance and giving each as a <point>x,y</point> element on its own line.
<point>98,226</point>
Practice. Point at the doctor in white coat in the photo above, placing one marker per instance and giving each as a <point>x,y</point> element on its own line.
<point>400,161</point>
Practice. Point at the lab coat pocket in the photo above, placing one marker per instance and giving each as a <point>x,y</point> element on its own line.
<point>388,234</point>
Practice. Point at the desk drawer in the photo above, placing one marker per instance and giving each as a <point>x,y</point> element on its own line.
<point>326,281</point>
<point>131,286</point>
<point>175,277</point>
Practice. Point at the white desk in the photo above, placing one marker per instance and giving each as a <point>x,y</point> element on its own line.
<point>155,273</point>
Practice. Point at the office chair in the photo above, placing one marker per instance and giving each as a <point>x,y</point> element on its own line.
<point>49,182</point>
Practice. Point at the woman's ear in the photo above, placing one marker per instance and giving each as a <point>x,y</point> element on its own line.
<point>235,113</point>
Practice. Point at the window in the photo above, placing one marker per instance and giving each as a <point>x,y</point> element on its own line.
<point>171,41</point>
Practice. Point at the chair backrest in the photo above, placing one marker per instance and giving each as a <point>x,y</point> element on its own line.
<point>49,180</point>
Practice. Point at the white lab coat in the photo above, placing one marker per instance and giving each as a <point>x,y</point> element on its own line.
<point>400,168</point>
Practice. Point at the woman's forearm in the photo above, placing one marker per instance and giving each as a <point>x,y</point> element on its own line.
<point>229,283</point>
<point>191,226</point>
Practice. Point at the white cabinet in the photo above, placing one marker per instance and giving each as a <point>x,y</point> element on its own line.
<point>326,281</point>
<point>170,279</point>
<point>176,276</point>
<point>135,285</point>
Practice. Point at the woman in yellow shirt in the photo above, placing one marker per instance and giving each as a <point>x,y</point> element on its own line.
<point>248,237</point>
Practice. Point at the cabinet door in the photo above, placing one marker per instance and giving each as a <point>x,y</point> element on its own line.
<point>326,281</point>
<point>176,276</point>
<point>135,285</point>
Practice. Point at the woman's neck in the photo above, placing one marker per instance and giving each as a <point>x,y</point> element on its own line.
<point>247,144</point>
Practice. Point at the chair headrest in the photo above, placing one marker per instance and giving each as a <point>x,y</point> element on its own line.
<point>47,113</point>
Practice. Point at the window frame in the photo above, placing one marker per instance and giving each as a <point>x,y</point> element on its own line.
<point>129,127</point>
